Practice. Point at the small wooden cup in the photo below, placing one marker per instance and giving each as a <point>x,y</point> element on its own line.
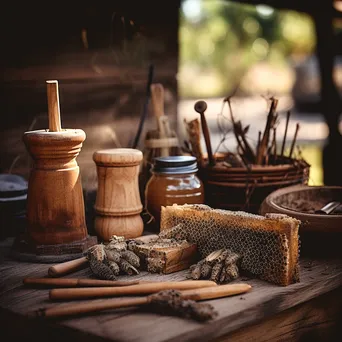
<point>118,205</point>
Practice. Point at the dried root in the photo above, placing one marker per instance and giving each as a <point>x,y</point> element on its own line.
<point>170,302</point>
<point>220,266</point>
<point>108,261</point>
<point>101,270</point>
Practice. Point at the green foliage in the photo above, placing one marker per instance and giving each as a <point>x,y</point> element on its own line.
<point>221,40</point>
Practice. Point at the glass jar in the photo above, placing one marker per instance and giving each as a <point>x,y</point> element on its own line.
<point>173,181</point>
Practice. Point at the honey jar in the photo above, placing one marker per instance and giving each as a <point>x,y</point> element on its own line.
<point>173,181</point>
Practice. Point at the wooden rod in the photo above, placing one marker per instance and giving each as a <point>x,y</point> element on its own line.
<point>265,138</point>
<point>75,282</point>
<point>285,133</point>
<point>77,309</point>
<point>67,267</point>
<point>294,140</point>
<point>139,289</point>
<point>53,106</point>
<point>194,294</point>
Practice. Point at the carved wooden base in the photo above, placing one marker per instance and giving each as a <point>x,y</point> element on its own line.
<point>25,250</point>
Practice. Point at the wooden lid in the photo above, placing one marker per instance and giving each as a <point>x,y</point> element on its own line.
<point>46,136</point>
<point>118,157</point>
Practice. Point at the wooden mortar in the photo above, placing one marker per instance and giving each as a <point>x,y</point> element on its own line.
<point>55,206</point>
<point>118,205</point>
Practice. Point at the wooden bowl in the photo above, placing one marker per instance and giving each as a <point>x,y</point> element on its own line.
<point>300,201</point>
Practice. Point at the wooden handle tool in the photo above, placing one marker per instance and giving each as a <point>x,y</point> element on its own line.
<point>139,289</point>
<point>193,294</point>
<point>157,100</point>
<point>67,267</point>
<point>53,106</point>
<point>201,107</point>
<point>74,282</point>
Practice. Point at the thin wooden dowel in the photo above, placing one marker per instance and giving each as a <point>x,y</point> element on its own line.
<point>274,143</point>
<point>285,133</point>
<point>53,106</point>
<point>294,140</point>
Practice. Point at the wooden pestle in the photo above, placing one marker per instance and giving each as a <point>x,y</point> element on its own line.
<point>191,294</point>
<point>148,288</point>
<point>53,106</point>
<point>75,282</point>
<point>200,107</point>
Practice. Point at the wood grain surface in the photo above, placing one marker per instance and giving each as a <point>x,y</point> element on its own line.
<point>235,314</point>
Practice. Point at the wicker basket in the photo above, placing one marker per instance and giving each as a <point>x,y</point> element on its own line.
<point>239,188</point>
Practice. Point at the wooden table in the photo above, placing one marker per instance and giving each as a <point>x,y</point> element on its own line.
<point>311,308</point>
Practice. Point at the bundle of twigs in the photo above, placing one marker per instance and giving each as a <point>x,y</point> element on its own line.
<point>265,152</point>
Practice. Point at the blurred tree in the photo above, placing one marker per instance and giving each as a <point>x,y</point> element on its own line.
<point>223,39</point>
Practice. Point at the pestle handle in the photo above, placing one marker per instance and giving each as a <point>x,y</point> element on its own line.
<point>139,289</point>
<point>53,106</point>
<point>67,267</point>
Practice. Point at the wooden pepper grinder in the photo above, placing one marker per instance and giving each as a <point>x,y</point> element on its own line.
<point>118,205</point>
<point>55,205</point>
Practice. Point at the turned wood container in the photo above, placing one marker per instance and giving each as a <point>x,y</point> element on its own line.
<point>118,204</point>
<point>55,206</point>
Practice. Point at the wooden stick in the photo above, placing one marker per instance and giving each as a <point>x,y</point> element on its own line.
<point>259,140</point>
<point>67,267</point>
<point>234,125</point>
<point>195,294</point>
<point>285,133</point>
<point>274,143</point>
<point>265,138</point>
<point>139,289</point>
<point>294,140</point>
<point>145,107</point>
<point>75,282</point>
<point>248,149</point>
<point>157,100</point>
<point>193,129</point>
<point>200,107</point>
<point>53,106</point>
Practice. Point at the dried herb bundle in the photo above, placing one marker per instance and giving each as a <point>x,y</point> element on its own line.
<point>108,261</point>
<point>220,266</point>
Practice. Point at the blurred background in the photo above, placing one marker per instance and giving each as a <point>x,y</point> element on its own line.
<point>100,53</point>
<point>264,52</point>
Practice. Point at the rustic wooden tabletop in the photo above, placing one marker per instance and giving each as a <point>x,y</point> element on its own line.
<point>267,312</point>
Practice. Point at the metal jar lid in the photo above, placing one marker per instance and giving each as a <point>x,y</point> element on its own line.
<point>175,165</point>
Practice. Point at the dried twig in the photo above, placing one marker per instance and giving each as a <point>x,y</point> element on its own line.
<point>265,138</point>
<point>274,143</point>
<point>285,133</point>
<point>294,140</point>
<point>250,155</point>
<point>227,99</point>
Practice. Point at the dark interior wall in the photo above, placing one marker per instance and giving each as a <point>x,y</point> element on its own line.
<point>99,51</point>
